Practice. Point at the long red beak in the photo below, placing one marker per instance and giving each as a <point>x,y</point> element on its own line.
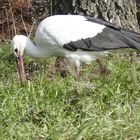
<point>21,70</point>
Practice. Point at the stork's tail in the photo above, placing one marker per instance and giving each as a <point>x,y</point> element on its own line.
<point>132,38</point>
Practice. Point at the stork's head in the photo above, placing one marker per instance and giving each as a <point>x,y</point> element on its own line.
<point>18,44</point>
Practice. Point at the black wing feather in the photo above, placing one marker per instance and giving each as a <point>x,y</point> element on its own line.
<point>112,37</point>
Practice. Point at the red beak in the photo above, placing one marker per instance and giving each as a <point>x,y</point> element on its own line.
<point>21,70</point>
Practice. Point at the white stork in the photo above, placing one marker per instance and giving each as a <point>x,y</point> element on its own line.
<point>75,37</point>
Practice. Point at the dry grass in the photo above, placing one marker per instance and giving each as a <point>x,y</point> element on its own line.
<point>20,17</point>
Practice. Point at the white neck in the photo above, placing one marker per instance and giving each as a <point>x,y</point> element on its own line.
<point>34,50</point>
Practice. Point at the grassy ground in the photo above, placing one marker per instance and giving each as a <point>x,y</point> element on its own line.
<point>103,104</point>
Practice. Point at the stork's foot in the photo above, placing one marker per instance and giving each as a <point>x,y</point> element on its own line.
<point>77,72</point>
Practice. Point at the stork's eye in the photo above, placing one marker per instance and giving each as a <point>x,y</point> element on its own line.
<point>16,50</point>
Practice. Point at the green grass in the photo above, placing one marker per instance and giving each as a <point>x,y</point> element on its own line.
<point>104,104</point>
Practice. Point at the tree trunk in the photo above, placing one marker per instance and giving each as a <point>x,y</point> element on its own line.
<point>138,11</point>
<point>121,12</point>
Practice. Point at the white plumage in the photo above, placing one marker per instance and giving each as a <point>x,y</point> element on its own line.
<point>60,30</point>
